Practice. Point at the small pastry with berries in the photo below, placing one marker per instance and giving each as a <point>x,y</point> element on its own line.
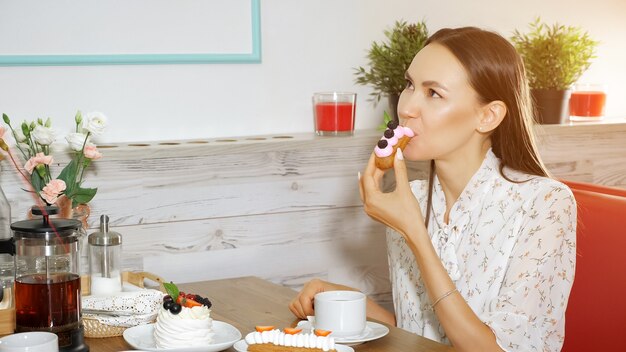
<point>184,320</point>
<point>269,339</point>
<point>395,137</point>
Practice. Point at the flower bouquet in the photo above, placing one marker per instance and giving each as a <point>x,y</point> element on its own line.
<point>33,141</point>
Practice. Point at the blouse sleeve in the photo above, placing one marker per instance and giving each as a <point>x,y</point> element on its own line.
<point>529,312</point>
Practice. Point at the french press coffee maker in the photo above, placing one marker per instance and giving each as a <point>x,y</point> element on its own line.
<point>47,280</point>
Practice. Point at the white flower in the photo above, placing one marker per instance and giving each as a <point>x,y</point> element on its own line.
<point>43,135</point>
<point>19,136</point>
<point>76,141</point>
<point>95,122</point>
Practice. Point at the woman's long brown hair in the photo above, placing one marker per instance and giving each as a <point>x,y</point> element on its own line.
<point>496,72</point>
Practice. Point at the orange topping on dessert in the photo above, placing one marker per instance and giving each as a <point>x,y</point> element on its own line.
<point>187,302</point>
<point>292,331</point>
<point>319,332</point>
<point>261,328</point>
<point>175,299</point>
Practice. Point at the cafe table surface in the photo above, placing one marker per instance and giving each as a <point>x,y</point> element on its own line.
<point>249,301</point>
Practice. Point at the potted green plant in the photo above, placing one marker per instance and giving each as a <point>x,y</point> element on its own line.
<point>555,57</point>
<point>388,61</point>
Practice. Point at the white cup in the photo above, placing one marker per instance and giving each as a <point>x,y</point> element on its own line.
<point>342,312</point>
<point>35,341</point>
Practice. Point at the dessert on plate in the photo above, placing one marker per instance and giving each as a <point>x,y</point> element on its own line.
<point>184,320</point>
<point>269,339</point>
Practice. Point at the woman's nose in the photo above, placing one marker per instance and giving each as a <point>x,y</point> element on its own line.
<point>408,106</point>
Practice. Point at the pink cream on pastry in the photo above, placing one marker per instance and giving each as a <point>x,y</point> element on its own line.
<point>383,152</point>
<point>398,133</point>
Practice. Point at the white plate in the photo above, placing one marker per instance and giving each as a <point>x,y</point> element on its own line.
<point>142,338</point>
<point>372,331</point>
<point>242,346</point>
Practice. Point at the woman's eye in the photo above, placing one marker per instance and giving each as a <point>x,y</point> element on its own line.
<point>409,84</point>
<point>433,94</point>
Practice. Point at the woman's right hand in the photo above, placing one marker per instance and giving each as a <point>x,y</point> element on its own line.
<point>302,305</point>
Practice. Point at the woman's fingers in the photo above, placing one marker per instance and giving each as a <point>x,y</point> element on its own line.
<point>294,309</point>
<point>400,171</point>
<point>361,188</point>
<point>370,177</point>
<point>306,302</point>
<point>297,308</point>
<point>370,169</point>
<point>302,305</point>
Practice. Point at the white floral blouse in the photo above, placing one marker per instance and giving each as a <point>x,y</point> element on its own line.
<point>510,248</point>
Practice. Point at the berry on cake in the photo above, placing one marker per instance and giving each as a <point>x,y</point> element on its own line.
<point>184,320</point>
<point>269,339</point>
<point>395,137</point>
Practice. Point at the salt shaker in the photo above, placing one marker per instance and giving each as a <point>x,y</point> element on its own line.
<point>105,260</point>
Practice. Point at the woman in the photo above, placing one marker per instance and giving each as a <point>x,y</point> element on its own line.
<point>482,254</point>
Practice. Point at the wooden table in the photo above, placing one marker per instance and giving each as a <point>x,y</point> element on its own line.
<point>249,301</point>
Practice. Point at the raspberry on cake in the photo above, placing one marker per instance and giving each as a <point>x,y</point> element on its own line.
<point>184,321</point>
<point>268,339</point>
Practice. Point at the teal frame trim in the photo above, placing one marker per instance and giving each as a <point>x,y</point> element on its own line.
<point>147,59</point>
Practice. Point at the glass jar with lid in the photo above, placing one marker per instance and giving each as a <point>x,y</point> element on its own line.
<point>105,260</point>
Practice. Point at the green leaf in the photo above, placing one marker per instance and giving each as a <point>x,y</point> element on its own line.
<point>82,195</point>
<point>554,56</point>
<point>41,170</point>
<point>37,181</point>
<point>25,129</point>
<point>386,119</point>
<point>171,289</point>
<point>68,172</point>
<point>6,119</point>
<point>68,175</point>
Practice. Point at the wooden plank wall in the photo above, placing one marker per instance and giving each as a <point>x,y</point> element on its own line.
<point>284,208</point>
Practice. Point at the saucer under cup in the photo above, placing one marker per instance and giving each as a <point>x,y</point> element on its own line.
<point>342,312</point>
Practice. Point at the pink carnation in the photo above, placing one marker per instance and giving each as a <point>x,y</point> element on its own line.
<point>38,159</point>
<point>2,131</point>
<point>91,152</point>
<point>51,192</point>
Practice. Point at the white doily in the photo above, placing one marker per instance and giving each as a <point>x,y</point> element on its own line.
<point>136,306</point>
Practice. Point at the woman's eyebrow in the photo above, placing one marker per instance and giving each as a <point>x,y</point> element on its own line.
<point>434,84</point>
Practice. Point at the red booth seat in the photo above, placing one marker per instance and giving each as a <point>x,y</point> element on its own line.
<point>595,319</point>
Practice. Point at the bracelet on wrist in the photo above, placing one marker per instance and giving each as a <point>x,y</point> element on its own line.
<point>442,297</point>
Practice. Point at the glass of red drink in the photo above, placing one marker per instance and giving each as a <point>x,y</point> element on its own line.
<point>334,113</point>
<point>587,102</point>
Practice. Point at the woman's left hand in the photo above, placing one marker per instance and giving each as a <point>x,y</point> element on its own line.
<point>398,209</point>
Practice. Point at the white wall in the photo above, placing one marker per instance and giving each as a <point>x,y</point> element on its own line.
<point>308,45</point>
